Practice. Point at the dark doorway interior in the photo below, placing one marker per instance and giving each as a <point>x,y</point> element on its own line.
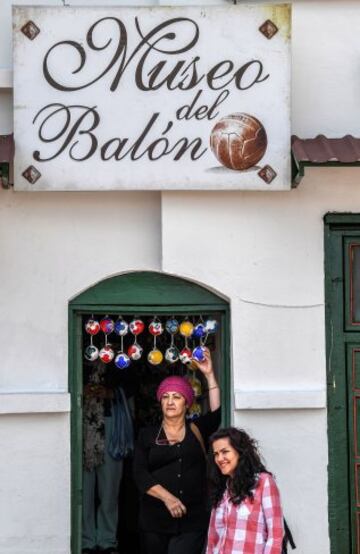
<point>139,382</point>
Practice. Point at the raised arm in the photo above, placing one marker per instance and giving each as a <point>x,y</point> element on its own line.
<point>206,368</point>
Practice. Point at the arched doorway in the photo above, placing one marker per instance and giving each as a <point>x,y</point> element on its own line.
<point>146,294</point>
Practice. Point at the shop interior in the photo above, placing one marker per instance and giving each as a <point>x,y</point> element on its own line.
<point>135,352</point>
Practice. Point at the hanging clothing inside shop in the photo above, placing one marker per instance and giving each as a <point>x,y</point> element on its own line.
<point>107,440</point>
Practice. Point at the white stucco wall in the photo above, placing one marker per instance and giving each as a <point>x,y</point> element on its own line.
<point>263,251</point>
<point>51,248</point>
<point>63,244</point>
<point>34,484</point>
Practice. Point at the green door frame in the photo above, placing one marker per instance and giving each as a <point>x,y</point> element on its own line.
<point>145,292</point>
<point>339,339</point>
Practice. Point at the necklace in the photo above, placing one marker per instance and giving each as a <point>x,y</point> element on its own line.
<point>170,438</point>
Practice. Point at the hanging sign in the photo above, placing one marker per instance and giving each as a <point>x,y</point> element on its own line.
<point>127,98</point>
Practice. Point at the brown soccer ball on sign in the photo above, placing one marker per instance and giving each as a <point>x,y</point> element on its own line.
<point>238,141</point>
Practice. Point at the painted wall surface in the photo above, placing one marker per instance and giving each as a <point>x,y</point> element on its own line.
<point>35,484</point>
<point>51,248</point>
<point>63,244</point>
<point>265,252</point>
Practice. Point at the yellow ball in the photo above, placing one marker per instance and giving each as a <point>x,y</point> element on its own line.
<point>186,328</point>
<point>155,357</point>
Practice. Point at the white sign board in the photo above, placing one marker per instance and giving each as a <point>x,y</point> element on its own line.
<point>152,98</point>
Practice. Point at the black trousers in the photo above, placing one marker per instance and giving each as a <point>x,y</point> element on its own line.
<point>183,543</point>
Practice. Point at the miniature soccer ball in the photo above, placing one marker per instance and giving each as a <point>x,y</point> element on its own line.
<point>91,353</point>
<point>92,327</point>
<point>156,328</point>
<point>211,326</point>
<point>107,354</point>
<point>199,331</point>
<point>172,326</point>
<point>185,356</point>
<point>121,327</point>
<point>107,325</point>
<point>122,361</point>
<point>172,354</point>
<point>198,354</point>
<point>186,328</point>
<point>135,351</point>
<point>155,357</point>
<point>136,326</point>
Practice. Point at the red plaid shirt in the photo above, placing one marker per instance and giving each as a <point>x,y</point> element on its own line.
<point>251,527</point>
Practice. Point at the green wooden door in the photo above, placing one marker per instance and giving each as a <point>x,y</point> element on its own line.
<point>342,269</point>
<point>138,292</point>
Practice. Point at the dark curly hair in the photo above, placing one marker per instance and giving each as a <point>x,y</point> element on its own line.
<point>247,470</point>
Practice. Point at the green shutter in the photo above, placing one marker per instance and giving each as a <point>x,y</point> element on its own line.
<point>343,382</point>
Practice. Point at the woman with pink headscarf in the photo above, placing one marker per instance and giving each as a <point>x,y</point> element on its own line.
<point>170,469</point>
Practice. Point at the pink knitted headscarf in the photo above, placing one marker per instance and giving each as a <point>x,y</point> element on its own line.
<point>176,384</point>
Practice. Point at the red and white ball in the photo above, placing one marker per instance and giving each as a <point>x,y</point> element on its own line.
<point>136,326</point>
<point>107,325</point>
<point>107,354</point>
<point>92,327</point>
<point>135,351</point>
<point>185,356</point>
<point>156,328</point>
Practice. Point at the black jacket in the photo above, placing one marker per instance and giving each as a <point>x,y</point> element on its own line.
<point>181,469</point>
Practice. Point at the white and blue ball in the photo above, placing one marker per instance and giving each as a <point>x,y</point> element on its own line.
<point>199,331</point>
<point>172,354</point>
<point>121,327</point>
<point>91,353</point>
<point>198,354</point>
<point>172,326</point>
<point>122,361</point>
<point>211,326</point>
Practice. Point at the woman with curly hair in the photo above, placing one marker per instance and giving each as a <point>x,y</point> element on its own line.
<point>246,515</point>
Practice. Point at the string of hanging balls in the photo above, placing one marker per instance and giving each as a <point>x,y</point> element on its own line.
<point>136,327</point>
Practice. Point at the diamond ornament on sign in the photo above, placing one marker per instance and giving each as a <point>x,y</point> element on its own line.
<point>268,29</point>
<point>267,174</point>
<point>31,174</point>
<point>30,30</point>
